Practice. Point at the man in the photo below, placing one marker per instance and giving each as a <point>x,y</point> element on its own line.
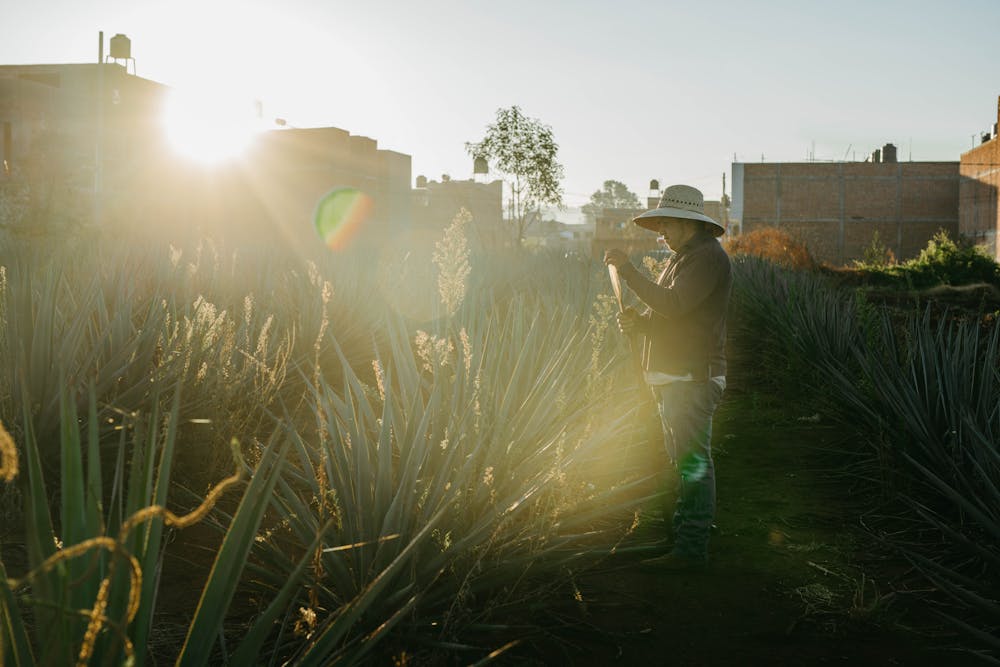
<point>683,334</point>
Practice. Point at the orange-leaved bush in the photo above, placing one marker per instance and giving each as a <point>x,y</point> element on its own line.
<point>772,244</point>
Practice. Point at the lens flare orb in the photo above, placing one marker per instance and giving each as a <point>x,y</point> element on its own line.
<point>340,214</point>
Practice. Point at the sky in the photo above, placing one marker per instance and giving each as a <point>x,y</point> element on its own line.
<point>667,89</point>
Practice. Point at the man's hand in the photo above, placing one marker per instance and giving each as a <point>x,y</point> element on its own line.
<point>628,321</point>
<point>616,257</point>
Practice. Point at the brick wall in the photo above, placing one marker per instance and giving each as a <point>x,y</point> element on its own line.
<point>435,206</point>
<point>294,168</point>
<point>979,193</point>
<point>836,208</point>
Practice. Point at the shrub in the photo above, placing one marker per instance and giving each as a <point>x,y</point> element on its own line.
<point>877,255</point>
<point>772,244</point>
<point>942,262</point>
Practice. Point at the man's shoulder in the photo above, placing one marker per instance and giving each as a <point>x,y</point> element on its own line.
<point>709,258</point>
<point>709,247</point>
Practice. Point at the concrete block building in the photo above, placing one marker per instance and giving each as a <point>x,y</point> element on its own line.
<point>436,203</point>
<point>836,208</point>
<point>74,135</point>
<point>613,228</point>
<point>288,171</point>
<point>86,144</point>
<point>979,191</point>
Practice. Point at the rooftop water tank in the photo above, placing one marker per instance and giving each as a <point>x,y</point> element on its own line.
<point>121,47</point>
<point>888,153</point>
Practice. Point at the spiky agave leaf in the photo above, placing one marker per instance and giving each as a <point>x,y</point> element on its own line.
<point>483,449</point>
<point>926,394</point>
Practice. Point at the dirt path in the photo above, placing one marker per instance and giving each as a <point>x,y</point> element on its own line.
<point>790,580</point>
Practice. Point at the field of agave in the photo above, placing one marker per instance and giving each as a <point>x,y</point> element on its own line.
<point>422,447</point>
<point>916,390</point>
<point>399,456</point>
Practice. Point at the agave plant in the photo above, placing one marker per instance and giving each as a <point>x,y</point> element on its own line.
<point>478,456</point>
<point>798,322</point>
<point>81,579</point>
<point>935,397</point>
<point>90,594</point>
<point>924,395</point>
<point>92,321</point>
<point>89,330</point>
<point>450,488</point>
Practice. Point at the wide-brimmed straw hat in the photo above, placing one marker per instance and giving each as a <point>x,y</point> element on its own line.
<point>678,201</point>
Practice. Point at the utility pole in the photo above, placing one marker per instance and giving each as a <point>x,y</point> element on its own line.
<point>99,138</point>
<point>724,206</point>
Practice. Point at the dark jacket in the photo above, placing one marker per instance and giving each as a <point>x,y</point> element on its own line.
<point>684,327</point>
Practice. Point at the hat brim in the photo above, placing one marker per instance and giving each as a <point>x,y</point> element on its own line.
<point>651,219</point>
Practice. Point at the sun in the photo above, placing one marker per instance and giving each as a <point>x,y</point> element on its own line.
<point>209,126</point>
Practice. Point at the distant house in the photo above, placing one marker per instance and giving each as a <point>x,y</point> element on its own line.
<point>613,228</point>
<point>86,144</point>
<point>836,208</point>
<point>72,131</point>
<point>979,191</point>
<point>289,170</point>
<point>436,203</point>
<point>719,211</point>
<point>558,235</point>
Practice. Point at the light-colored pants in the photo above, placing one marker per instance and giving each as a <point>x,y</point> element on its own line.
<point>686,410</point>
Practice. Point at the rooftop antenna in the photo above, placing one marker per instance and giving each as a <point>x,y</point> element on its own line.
<point>847,151</point>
